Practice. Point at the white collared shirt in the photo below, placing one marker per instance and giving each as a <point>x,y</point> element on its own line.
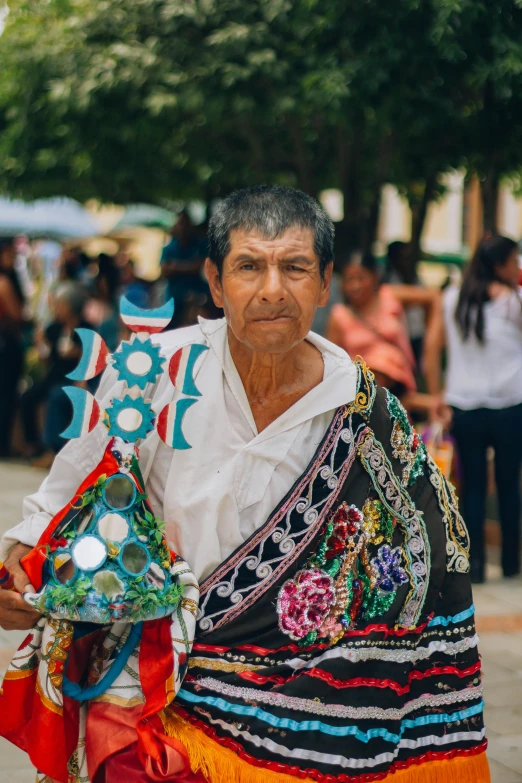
<point>216,494</point>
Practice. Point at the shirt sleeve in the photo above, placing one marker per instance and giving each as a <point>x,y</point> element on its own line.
<point>72,464</point>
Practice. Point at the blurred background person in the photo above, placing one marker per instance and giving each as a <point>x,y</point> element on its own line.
<point>132,287</point>
<point>101,309</point>
<point>483,328</point>
<point>400,270</point>
<point>59,349</point>
<point>181,265</point>
<point>371,323</point>
<point>11,346</point>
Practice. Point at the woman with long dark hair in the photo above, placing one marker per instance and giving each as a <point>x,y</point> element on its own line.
<point>483,323</point>
<point>11,350</point>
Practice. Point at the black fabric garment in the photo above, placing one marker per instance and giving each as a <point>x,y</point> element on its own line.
<point>382,691</point>
<point>475,431</point>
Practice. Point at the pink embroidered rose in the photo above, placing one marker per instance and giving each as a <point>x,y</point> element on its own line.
<point>331,628</point>
<point>304,602</point>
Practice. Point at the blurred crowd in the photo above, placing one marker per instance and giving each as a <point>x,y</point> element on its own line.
<point>452,354</point>
<point>46,293</point>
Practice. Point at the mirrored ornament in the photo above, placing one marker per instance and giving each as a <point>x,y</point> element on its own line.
<point>119,492</point>
<point>113,527</point>
<point>139,363</point>
<point>107,583</point>
<point>134,558</point>
<point>63,565</point>
<point>89,553</point>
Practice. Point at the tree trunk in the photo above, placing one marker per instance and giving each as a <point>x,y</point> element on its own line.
<point>418,218</point>
<point>301,156</point>
<point>350,146</point>
<point>489,187</point>
<point>371,224</point>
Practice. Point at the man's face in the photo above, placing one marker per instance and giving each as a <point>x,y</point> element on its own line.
<point>270,288</point>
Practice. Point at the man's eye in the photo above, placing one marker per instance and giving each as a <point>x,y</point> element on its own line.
<point>247,267</point>
<point>295,268</point>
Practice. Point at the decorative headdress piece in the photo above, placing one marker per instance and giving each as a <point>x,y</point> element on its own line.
<point>104,561</point>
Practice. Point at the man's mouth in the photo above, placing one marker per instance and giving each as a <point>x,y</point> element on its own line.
<point>272,318</point>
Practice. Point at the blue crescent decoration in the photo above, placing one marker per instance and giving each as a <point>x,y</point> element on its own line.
<point>149,321</point>
<point>139,414</point>
<point>86,412</point>
<point>94,357</point>
<point>181,368</point>
<point>138,362</point>
<point>169,423</point>
<point>139,350</point>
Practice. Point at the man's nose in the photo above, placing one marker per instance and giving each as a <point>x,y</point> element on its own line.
<point>272,285</point>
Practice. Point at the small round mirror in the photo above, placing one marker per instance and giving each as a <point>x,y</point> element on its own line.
<point>113,527</point>
<point>139,363</point>
<point>89,553</point>
<point>134,558</point>
<point>107,583</point>
<point>63,567</point>
<point>119,492</point>
<point>129,419</point>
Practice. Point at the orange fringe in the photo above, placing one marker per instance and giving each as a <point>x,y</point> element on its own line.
<point>219,764</point>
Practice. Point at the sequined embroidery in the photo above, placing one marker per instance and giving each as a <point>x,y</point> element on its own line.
<point>457,537</point>
<point>407,446</point>
<point>345,579</point>
<point>416,546</point>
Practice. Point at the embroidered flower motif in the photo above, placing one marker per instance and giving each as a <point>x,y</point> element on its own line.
<point>346,523</point>
<point>304,602</point>
<point>387,568</point>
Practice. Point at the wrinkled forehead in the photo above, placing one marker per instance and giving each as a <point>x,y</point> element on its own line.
<point>295,240</point>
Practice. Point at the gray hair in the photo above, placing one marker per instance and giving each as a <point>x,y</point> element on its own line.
<point>269,210</point>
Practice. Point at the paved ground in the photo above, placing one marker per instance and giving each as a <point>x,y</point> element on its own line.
<point>499,620</point>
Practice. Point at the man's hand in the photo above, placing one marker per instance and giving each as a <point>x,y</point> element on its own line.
<point>15,613</point>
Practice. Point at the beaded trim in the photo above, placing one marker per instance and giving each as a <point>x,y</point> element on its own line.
<point>314,707</point>
<point>403,655</point>
<point>416,547</point>
<point>270,551</point>
<point>457,537</point>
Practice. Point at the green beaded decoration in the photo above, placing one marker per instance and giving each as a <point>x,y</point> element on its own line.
<point>407,445</point>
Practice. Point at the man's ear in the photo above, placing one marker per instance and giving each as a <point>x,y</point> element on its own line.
<point>212,275</point>
<point>324,296</point>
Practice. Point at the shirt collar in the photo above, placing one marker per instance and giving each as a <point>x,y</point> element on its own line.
<point>337,388</point>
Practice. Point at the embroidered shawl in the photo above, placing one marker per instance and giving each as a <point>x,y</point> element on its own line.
<point>338,643</point>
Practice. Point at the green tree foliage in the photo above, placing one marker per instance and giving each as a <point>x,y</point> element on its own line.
<point>158,99</point>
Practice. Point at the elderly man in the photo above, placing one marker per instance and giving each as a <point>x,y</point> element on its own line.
<point>335,636</point>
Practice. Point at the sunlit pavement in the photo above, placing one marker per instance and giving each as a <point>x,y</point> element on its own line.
<point>499,619</point>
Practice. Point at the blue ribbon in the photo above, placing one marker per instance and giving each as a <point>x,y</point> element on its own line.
<point>74,691</point>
